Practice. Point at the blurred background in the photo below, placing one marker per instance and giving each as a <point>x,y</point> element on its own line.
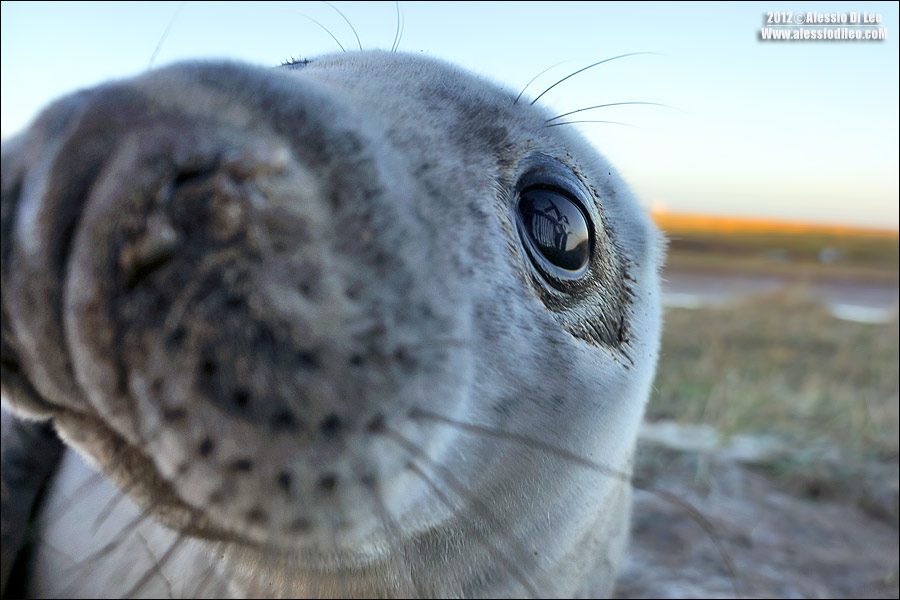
<point>773,169</point>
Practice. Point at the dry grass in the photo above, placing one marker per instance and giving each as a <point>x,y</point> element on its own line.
<point>782,364</point>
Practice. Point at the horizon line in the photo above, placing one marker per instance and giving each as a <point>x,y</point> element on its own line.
<point>747,222</point>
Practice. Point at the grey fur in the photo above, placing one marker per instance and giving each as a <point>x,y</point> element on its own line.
<point>276,306</point>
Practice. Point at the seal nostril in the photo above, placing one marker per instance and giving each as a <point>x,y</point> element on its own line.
<point>284,481</point>
<point>327,482</point>
<point>209,368</point>
<point>330,425</point>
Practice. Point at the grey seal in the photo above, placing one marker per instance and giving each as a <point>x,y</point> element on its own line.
<point>362,325</point>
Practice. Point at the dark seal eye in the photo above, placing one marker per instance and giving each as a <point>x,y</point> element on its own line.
<point>556,230</point>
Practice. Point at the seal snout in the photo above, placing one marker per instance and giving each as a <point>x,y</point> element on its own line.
<point>244,309</point>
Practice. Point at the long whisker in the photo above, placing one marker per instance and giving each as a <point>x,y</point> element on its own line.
<point>204,581</point>
<point>109,507</point>
<point>399,34</point>
<point>586,68</point>
<point>696,515</point>
<point>482,539</point>
<point>325,29</point>
<point>164,35</point>
<point>418,413</point>
<point>390,528</point>
<point>703,522</point>
<point>75,497</point>
<point>146,577</point>
<point>115,543</point>
<point>450,481</point>
<point>590,121</point>
<point>572,112</point>
<point>347,21</point>
<point>516,101</point>
<point>104,550</point>
<point>45,542</point>
<point>157,567</point>
<point>339,556</point>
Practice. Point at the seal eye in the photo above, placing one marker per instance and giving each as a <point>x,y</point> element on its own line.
<point>556,231</point>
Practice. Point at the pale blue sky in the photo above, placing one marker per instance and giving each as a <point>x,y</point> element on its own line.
<point>792,130</point>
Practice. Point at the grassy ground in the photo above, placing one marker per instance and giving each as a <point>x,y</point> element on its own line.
<point>818,517</point>
<point>781,363</point>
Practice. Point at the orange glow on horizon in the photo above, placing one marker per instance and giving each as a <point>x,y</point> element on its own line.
<point>671,221</point>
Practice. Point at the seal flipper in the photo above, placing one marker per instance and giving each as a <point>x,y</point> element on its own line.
<point>31,452</point>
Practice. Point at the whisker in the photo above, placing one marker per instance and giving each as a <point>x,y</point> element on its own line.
<point>691,511</point>
<point>704,524</point>
<point>108,508</point>
<point>482,539</point>
<point>204,582</point>
<point>450,481</point>
<point>75,497</point>
<point>104,550</point>
<point>339,557</point>
<point>397,553</point>
<point>207,266</point>
<point>590,121</point>
<point>572,112</point>
<point>516,101</point>
<point>156,566</point>
<point>586,68</point>
<point>399,34</point>
<point>418,413</point>
<point>146,577</point>
<point>112,545</point>
<point>164,35</point>
<point>325,29</point>
<point>315,585</point>
<point>352,28</point>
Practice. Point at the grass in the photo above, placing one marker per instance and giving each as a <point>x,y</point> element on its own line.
<point>795,270</point>
<point>782,364</point>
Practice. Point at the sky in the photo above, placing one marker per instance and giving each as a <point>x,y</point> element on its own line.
<point>790,130</point>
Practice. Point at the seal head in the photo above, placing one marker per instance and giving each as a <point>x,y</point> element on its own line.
<point>363,320</point>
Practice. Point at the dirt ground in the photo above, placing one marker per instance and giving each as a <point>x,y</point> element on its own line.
<point>761,537</point>
<point>716,287</point>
